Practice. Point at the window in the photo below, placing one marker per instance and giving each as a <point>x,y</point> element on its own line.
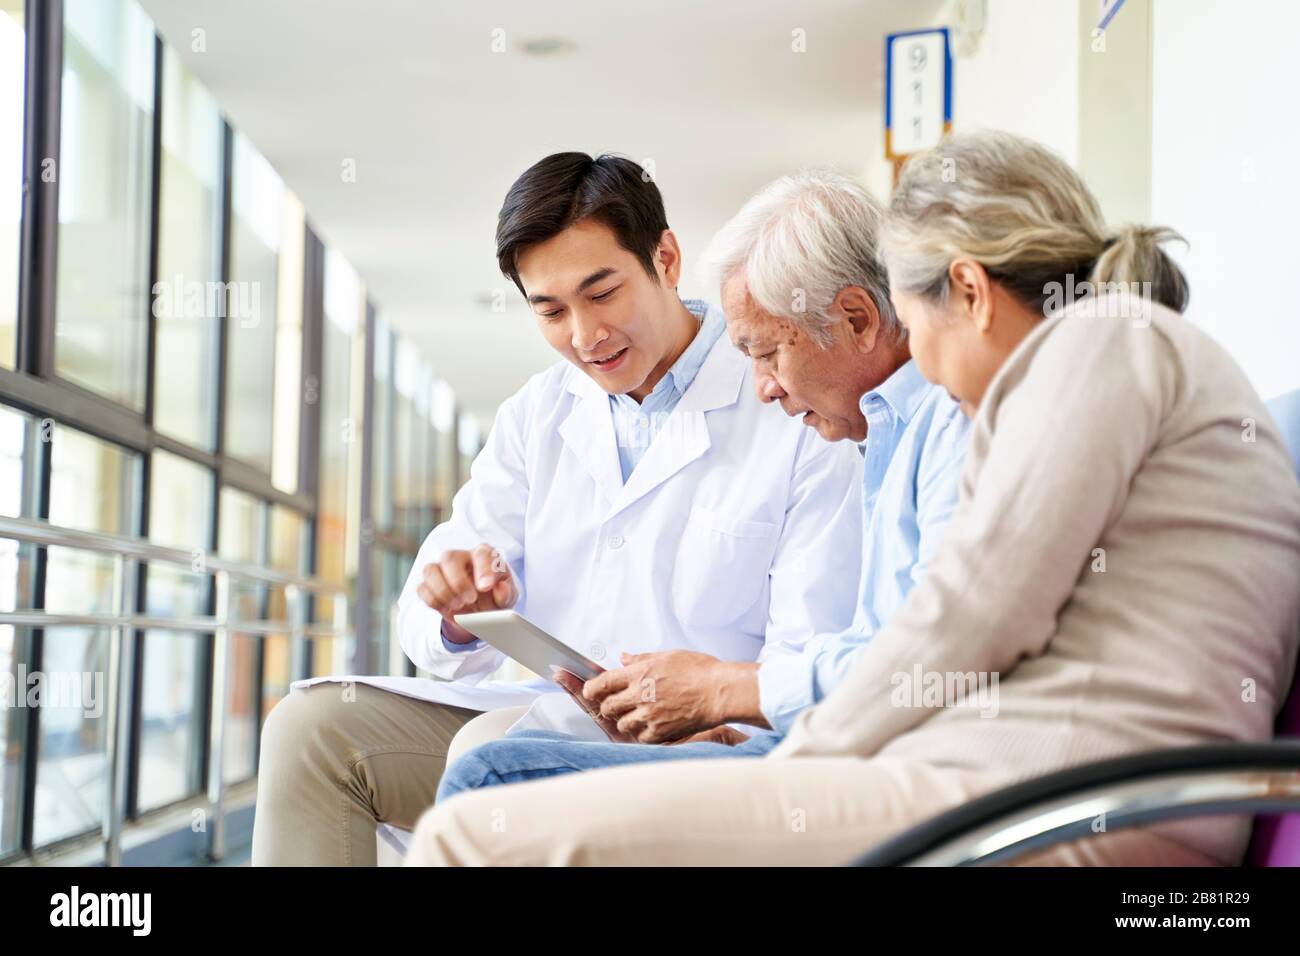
<point>147,449</point>
<point>242,537</point>
<point>171,704</point>
<point>13,49</point>
<point>104,181</point>
<point>344,307</point>
<point>469,440</point>
<point>264,318</point>
<point>408,433</point>
<point>340,434</point>
<point>445,459</point>
<point>288,552</point>
<point>17,442</point>
<point>93,485</point>
<point>258,197</point>
<point>288,346</point>
<point>381,427</point>
<point>187,296</point>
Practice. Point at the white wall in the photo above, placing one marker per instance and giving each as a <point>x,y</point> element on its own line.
<point>1224,148</point>
<point>1216,161</point>
<point>1023,77</point>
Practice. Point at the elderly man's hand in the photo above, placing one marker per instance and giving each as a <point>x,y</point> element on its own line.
<point>572,685</point>
<point>716,735</point>
<point>668,695</point>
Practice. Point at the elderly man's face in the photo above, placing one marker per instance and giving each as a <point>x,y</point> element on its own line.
<point>821,385</point>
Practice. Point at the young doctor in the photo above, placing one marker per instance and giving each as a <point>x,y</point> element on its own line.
<point>635,497</point>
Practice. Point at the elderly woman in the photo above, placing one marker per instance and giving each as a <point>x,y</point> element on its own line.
<point>1122,572</point>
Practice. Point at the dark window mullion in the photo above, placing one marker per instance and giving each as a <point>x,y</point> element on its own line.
<point>218,436</point>
<point>366,661</point>
<point>41,459</point>
<point>136,716</point>
<point>37,274</point>
<point>38,249</point>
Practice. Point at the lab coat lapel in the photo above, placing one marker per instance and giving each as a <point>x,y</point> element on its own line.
<point>588,432</point>
<point>685,435</point>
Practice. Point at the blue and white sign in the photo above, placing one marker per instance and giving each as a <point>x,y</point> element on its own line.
<point>918,91</point>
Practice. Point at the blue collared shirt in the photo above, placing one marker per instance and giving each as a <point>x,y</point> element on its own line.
<point>637,424</point>
<point>912,461</point>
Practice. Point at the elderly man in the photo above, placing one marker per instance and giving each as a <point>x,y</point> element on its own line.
<point>806,301</point>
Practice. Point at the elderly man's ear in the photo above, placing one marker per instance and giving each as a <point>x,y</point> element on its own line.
<point>859,310</point>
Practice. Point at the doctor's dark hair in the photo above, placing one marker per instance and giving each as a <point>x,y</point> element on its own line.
<point>565,188</point>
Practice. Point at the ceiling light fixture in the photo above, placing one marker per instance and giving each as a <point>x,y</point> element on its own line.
<point>545,46</point>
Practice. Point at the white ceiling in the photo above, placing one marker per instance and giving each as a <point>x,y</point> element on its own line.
<point>438,126</point>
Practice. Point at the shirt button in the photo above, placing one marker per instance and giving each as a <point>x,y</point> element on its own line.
<point>616,541</point>
<point>597,651</point>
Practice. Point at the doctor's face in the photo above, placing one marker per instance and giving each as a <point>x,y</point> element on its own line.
<point>596,305</point>
<point>820,385</point>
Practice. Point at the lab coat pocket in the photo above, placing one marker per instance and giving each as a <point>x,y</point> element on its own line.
<point>722,565</point>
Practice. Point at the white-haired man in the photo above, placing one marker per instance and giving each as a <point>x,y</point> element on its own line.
<point>806,299</point>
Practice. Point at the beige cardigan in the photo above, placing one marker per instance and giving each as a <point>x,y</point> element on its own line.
<point>1138,437</point>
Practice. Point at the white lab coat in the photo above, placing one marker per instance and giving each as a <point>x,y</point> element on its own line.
<point>738,534</point>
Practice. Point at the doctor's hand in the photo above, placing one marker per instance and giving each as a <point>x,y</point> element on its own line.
<point>461,582</point>
<point>669,695</point>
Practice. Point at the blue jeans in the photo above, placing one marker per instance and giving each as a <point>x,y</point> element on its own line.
<point>532,754</point>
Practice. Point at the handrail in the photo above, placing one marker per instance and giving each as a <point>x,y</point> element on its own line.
<point>127,553</point>
<point>44,533</point>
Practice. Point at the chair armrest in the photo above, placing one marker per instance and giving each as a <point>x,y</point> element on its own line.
<point>1123,792</point>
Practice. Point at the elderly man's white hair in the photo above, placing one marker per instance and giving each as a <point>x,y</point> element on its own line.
<point>797,243</point>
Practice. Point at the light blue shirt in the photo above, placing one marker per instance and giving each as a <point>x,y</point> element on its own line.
<point>637,424</point>
<point>916,443</point>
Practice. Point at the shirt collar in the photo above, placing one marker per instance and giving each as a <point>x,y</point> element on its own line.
<point>902,392</point>
<point>683,371</point>
<point>688,363</point>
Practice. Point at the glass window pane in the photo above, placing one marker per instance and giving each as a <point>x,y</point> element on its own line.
<point>288,552</point>
<point>71,767</point>
<point>275,670</point>
<point>93,485</point>
<point>468,442</point>
<point>13,52</point>
<point>344,302</point>
<point>180,510</point>
<point>240,756</point>
<point>445,480</point>
<point>288,346</point>
<point>288,539</point>
<point>242,537</point>
<point>16,463</point>
<point>180,516</point>
<point>241,530</point>
<point>104,185</point>
<point>381,426</point>
<point>188,295</point>
<point>255,234</point>
<point>406,426</point>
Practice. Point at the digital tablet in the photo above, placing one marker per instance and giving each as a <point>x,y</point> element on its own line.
<point>525,642</point>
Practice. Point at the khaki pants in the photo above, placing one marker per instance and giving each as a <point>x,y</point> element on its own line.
<point>337,760</point>
<point>762,811</point>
